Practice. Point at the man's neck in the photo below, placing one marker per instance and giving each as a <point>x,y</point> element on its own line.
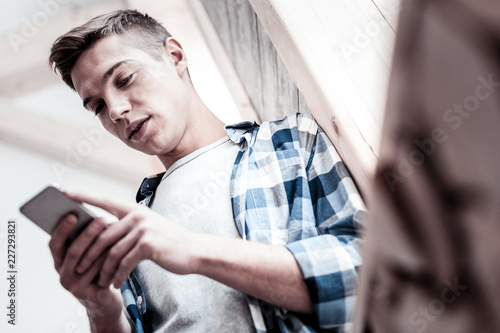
<point>205,130</point>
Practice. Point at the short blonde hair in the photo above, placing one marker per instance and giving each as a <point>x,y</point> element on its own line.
<point>147,34</point>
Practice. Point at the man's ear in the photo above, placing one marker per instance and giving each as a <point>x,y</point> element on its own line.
<point>174,51</point>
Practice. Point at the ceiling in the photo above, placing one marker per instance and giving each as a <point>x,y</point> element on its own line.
<point>42,115</point>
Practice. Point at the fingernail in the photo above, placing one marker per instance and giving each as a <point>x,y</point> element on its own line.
<point>71,219</point>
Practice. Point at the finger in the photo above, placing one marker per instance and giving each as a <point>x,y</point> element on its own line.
<point>107,238</point>
<point>114,257</point>
<point>118,208</point>
<point>78,283</point>
<point>79,246</point>
<point>90,275</point>
<point>127,264</point>
<point>84,242</point>
<point>58,238</point>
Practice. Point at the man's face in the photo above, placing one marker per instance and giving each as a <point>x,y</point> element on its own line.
<point>137,98</point>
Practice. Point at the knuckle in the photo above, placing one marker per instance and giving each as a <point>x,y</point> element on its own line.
<point>86,261</point>
<point>99,224</point>
<point>142,230</point>
<point>122,272</point>
<point>101,240</point>
<point>72,252</point>
<point>65,282</point>
<point>113,253</point>
<point>57,264</point>
<point>145,247</point>
<point>135,217</point>
<point>73,290</point>
<point>94,228</point>
<point>139,214</point>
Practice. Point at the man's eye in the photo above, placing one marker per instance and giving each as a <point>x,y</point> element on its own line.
<point>125,80</point>
<point>99,107</point>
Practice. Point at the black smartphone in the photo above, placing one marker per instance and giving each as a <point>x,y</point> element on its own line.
<point>49,206</point>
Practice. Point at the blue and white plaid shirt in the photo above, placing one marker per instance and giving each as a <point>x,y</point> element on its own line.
<point>289,187</point>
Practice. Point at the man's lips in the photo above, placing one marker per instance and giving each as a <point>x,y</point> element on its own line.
<point>135,127</point>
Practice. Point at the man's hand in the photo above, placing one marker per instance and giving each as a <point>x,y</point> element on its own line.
<point>104,305</point>
<point>263,271</point>
<point>139,234</point>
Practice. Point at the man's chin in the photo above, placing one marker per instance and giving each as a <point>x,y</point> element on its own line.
<point>148,150</point>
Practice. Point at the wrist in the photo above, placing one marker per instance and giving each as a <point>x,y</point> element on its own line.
<point>213,254</point>
<point>101,324</point>
<point>200,248</point>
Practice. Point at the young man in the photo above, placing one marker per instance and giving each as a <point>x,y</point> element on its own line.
<point>182,265</point>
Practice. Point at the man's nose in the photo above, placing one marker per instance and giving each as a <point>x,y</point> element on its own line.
<point>117,109</point>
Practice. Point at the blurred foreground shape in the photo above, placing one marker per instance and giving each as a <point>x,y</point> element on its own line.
<point>431,257</point>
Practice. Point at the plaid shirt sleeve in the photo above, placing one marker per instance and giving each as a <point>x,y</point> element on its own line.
<point>290,187</point>
<point>329,261</point>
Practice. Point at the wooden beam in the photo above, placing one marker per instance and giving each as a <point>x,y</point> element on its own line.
<point>390,10</point>
<point>223,61</point>
<point>339,54</point>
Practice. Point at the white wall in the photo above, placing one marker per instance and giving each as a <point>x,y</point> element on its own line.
<point>43,305</point>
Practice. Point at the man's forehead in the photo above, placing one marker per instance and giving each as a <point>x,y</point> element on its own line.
<point>103,55</point>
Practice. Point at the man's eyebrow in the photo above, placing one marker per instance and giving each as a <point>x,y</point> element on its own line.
<point>110,71</point>
<point>105,78</point>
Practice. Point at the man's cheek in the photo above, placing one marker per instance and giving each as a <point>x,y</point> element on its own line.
<point>153,78</point>
<point>111,128</point>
